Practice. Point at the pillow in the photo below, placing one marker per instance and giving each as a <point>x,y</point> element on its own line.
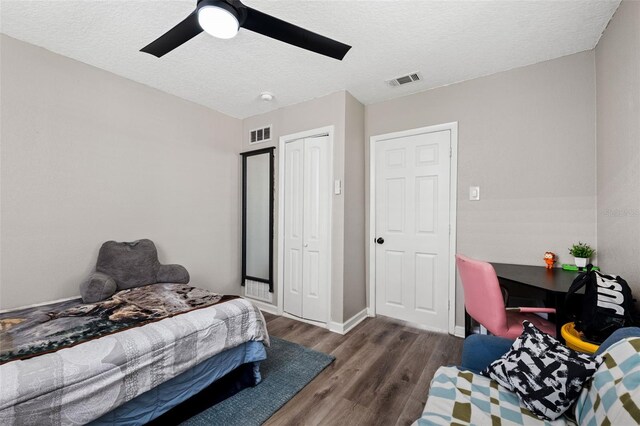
<point>97,287</point>
<point>134,264</point>
<point>614,392</point>
<point>546,375</point>
<point>130,264</point>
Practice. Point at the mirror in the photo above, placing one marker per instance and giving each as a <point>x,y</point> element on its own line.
<point>257,216</point>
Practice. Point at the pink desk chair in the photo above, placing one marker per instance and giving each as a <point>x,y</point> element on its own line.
<point>484,303</point>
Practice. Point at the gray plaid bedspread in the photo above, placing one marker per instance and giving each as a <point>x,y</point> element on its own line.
<point>75,385</point>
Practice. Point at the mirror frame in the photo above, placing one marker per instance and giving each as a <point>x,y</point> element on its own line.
<point>270,152</point>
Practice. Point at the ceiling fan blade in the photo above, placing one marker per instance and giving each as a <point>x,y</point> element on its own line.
<point>176,36</point>
<point>269,26</point>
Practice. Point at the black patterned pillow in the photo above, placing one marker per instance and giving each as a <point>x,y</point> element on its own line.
<point>546,375</point>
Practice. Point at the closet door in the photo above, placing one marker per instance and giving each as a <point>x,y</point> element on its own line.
<point>316,232</point>
<point>293,226</point>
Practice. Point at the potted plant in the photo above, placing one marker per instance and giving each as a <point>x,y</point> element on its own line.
<point>581,252</point>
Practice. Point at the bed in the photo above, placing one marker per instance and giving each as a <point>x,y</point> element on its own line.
<point>125,360</point>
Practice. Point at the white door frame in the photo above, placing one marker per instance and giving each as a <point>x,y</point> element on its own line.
<point>329,130</point>
<point>453,191</point>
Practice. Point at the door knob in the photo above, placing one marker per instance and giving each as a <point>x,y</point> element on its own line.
<point>380,240</point>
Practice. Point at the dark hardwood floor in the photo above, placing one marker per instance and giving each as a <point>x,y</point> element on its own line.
<point>381,374</point>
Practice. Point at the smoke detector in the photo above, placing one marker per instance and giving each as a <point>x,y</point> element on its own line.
<point>405,79</point>
<point>266,96</point>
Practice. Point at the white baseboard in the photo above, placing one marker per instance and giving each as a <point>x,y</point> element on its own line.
<point>35,305</point>
<point>265,307</point>
<point>458,331</point>
<point>347,326</point>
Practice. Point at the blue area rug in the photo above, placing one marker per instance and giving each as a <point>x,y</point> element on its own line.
<point>289,367</point>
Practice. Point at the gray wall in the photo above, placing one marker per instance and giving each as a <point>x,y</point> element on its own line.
<point>346,114</point>
<point>354,210</point>
<point>321,112</point>
<point>618,140</point>
<point>527,138</point>
<point>88,156</point>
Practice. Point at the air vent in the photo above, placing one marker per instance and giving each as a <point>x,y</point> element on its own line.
<point>405,79</point>
<point>260,135</point>
<point>257,290</point>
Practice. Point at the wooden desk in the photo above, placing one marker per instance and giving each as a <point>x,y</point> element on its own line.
<point>538,282</point>
<point>555,280</point>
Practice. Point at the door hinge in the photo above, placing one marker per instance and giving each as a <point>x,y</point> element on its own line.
<point>450,151</point>
<point>449,305</point>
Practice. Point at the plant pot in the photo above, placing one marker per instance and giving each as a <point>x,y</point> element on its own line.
<point>581,262</point>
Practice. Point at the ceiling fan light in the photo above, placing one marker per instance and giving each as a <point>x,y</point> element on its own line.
<point>218,22</point>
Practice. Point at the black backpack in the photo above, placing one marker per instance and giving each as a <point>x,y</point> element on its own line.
<point>607,305</point>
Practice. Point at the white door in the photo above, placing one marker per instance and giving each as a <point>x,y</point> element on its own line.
<point>412,178</point>
<point>307,234</point>
<point>293,212</point>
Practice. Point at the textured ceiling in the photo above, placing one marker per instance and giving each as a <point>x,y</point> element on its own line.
<point>447,41</point>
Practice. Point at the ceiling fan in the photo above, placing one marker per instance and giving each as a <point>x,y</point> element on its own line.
<point>223,19</point>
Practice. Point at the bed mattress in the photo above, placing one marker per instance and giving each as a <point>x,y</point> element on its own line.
<point>82,382</point>
<point>157,401</point>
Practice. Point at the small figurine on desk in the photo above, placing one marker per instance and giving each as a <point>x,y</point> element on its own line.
<point>550,258</point>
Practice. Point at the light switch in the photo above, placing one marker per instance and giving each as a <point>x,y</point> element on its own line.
<point>474,193</point>
<point>337,187</point>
